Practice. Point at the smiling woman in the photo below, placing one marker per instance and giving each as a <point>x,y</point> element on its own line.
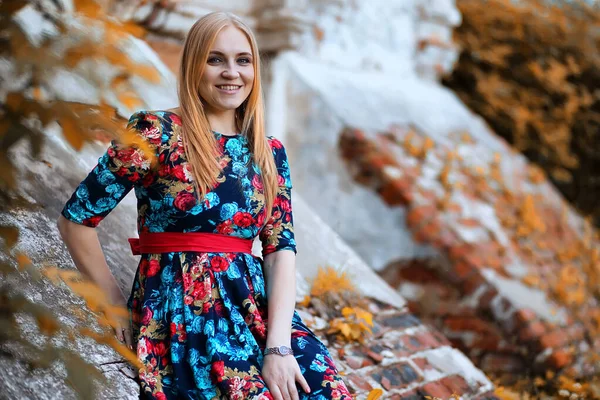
<point>229,74</point>
<point>209,319</point>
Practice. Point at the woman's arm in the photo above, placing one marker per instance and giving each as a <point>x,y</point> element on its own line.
<point>83,245</point>
<point>280,271</point>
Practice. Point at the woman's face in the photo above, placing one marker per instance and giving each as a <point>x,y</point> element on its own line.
<point>229,74</point>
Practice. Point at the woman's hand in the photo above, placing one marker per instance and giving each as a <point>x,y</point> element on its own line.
<point>281,374</point>
<point>123,326</point>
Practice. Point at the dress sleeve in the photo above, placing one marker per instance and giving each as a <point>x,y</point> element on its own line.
<point>278,233</point>
<point>116,173</point>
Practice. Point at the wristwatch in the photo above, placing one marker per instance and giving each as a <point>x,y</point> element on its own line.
<point>279,350</point>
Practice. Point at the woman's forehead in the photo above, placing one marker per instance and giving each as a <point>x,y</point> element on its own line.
<point>231,40</point>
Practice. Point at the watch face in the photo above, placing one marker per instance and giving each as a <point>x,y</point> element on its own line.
<point>283,350</point>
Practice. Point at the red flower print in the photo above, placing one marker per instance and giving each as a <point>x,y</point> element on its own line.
<point>275,143</point>
<point>219,264</point>
<point>243,219</point>
<point>284,205</point>
<point>276,215</point>
<point>153,268</point>
<point>200,289</point>
<point>133,177</point>
<point>184,201</point>
<point>188,300</point>
<point>160,349</point>
<point>219,307</point>
<point>125,155</point>
<point>280,180</point>
<point>224,228</point>
<point>137,159</point>
<point>175,119</point>
<point>92,221</point>
<point>147,315</point>
<point>122,171</point>
<point>260,218</point>
<point>147,181</point>
<point>270,248</point>
<point>205,307</point>
<point>257,182</point>
<point>297,334</point>
<point>217,370</point>
<point>151,117</point>
<point>160,396</point>
<point>173,328</point>
<point>179,173</point>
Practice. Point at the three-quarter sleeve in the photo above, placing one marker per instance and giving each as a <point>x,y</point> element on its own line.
<point>116,173</point>
<point>278,233</point>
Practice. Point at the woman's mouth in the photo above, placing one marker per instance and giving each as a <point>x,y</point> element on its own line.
<point>229,89</point>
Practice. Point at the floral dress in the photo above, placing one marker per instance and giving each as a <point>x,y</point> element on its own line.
<point>200,319</point>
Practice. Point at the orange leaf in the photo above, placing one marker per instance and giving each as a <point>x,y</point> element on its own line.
<point>10,234</point>
<point>72,133</point>
<point>375,394</point>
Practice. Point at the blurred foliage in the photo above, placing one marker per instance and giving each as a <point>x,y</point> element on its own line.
<point>334,298</point>
<point>79,42</point>
<point>531,68</point>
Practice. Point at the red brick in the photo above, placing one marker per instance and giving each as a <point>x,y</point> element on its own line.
<point>456,384</point>
<point>487,342</point>
<point>428,232</point>
<point>532,331</point>
<point>524,316</point>
<point>419,215</point>
<point>436,389</point>
<point>493,363</point>
<point>560,359</point>
<point>554,339</point>
<point>358,383</point>
<point>458,252</point>
<point>471,284</point>
<point>463,270</point>
<point>461,324</point>
<point>422,363</point>
<point>486,299</point>
<point>393,192</point>
<point>354,362</point>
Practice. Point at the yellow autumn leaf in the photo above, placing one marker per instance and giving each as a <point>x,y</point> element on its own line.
<point>375,394</point>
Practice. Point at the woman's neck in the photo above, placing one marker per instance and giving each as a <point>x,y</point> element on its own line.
<point>223,122</point>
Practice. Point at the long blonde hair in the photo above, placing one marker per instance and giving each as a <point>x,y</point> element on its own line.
<point>199,142</point>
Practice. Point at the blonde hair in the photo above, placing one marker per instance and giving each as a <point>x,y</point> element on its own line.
<point>199,142</point>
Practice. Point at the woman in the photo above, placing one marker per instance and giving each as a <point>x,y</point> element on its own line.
<point>199,299</point>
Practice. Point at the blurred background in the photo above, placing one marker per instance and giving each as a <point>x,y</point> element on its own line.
<point>445,157</point>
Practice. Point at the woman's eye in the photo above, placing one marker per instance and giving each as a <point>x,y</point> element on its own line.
<point>245,61</point>
<point>214,60</point>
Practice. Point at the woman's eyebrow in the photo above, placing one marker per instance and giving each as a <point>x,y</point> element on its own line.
<point>244,53</point>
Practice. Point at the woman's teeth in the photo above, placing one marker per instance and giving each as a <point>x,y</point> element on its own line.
<point>228,87</point>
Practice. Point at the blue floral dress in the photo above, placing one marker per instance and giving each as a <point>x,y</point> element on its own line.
<point>200,319</point>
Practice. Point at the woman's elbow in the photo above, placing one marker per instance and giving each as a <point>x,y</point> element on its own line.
<point>64,226</point>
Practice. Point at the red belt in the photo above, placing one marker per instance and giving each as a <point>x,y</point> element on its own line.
<point>166,242</point>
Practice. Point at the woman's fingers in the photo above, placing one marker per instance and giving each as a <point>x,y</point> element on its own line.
<point>285,393</point>
<point>292,389</point>
<point>275,392</point>
<point>128,338</point>
<point>300,379</point>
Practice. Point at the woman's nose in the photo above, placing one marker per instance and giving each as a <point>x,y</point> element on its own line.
<point>231,73</point>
